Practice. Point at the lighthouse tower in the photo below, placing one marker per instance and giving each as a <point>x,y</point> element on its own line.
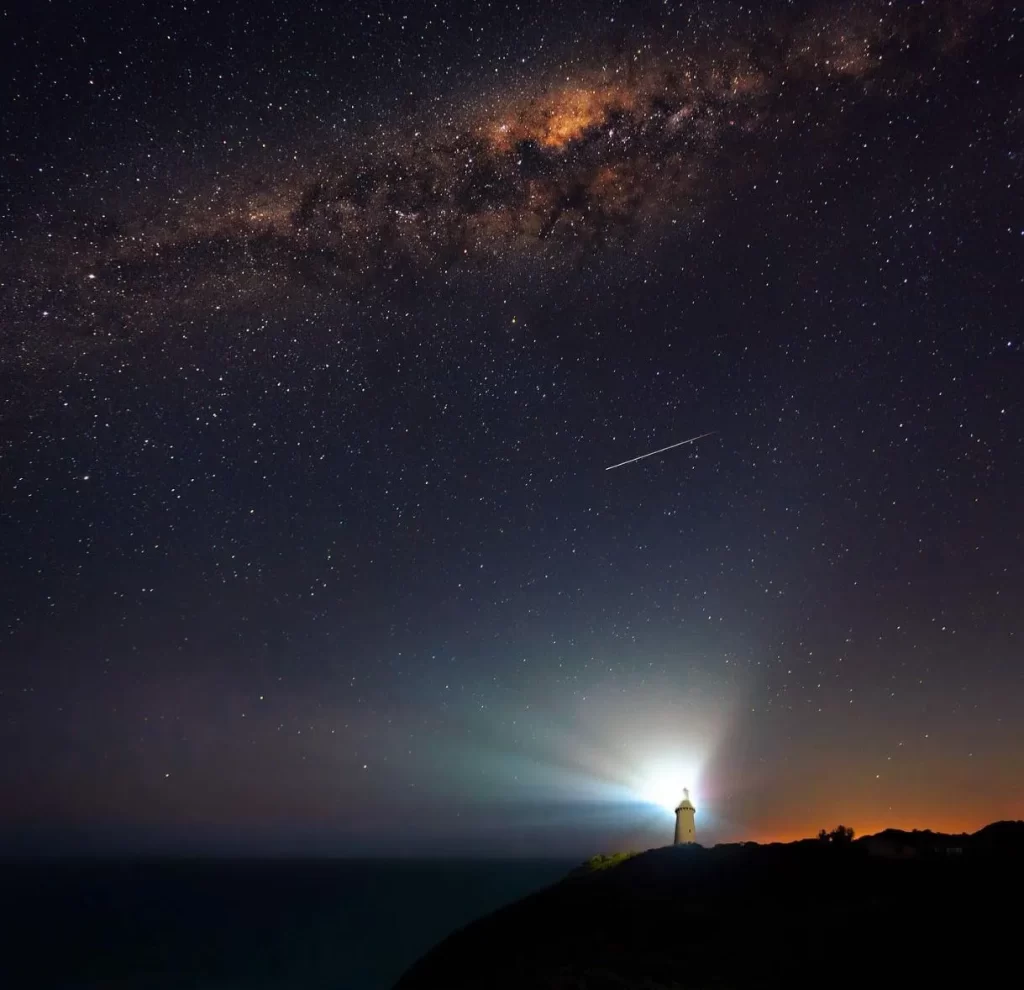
<point>686,831</point>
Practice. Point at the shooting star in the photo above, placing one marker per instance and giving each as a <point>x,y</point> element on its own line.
<point>671,446</point>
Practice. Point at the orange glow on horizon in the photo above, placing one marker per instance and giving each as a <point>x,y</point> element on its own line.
<point>906,822</point>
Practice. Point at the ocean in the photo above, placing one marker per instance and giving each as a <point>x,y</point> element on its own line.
<point>242,925</point>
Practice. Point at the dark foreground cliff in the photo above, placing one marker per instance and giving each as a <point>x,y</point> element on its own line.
<point>899,909</point>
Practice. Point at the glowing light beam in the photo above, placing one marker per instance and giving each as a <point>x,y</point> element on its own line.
<point>662,785</point>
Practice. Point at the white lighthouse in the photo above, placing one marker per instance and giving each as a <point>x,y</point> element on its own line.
<point>686,831</point>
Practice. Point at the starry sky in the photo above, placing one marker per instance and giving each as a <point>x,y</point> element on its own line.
<point>319,329</point>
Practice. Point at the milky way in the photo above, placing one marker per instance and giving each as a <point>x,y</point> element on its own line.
<point>606,150</point>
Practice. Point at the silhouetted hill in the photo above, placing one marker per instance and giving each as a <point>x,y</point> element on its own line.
<point>1005,836</point>
<point>910,908</point>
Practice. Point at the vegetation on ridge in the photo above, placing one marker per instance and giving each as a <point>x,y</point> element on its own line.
<point>605,861</point>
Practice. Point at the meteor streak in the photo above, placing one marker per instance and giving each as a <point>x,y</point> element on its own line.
<point>662,450</point>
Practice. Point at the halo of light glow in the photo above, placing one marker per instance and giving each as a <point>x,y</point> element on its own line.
<point>661,785</point>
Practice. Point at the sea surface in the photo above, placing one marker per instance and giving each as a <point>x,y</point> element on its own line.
<point>236,925</point>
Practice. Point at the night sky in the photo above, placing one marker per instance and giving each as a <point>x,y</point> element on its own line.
<point>319,327</point>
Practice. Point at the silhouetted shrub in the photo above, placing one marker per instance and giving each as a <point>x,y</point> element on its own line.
<point>841,835</point>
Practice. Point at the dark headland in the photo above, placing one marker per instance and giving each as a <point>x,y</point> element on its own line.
<point>895,909</point>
